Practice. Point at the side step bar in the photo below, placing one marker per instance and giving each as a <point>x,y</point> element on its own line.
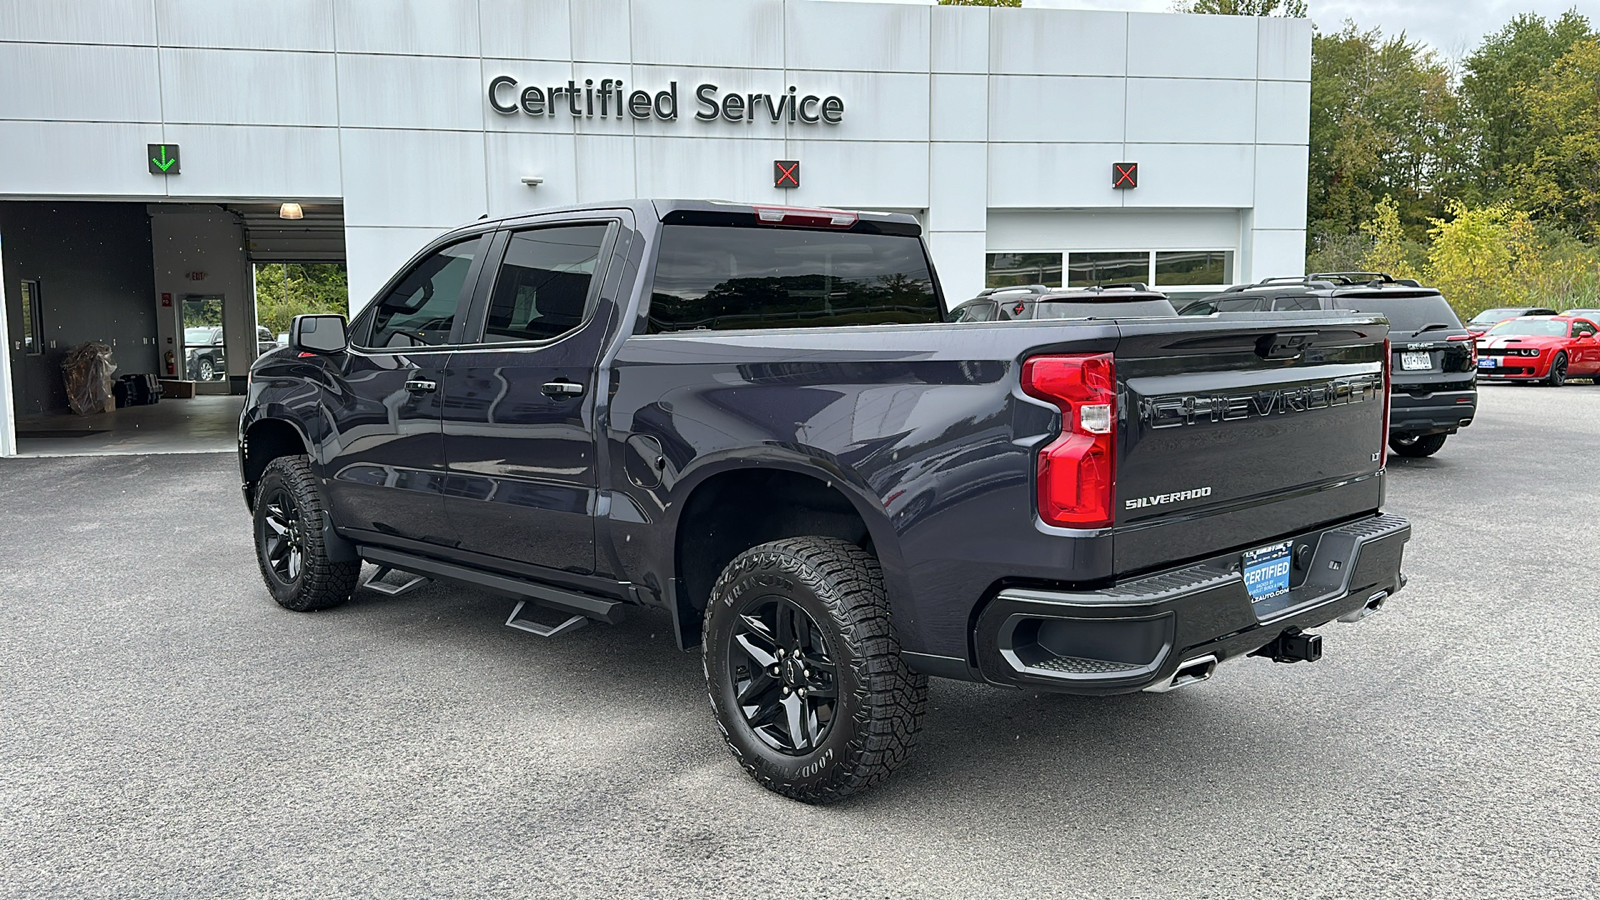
<point>610,612</point>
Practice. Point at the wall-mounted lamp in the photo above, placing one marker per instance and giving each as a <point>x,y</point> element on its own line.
<point>532,180</point>
<point>290,211</point>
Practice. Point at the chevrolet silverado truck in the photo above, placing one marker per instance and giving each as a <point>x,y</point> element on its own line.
<point>758,419</point>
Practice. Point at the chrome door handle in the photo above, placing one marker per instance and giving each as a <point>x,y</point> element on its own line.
<point>418,385</point>
<point>561,389</point>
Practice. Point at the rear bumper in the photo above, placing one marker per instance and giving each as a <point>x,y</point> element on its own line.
<point>1435,413</point>
<point>1138,634</point>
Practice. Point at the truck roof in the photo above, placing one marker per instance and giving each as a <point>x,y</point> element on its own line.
<point>704,211</point>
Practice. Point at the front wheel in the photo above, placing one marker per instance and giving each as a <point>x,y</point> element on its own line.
<point>1558,371</point>
<point>208,369</point>
<point>289,546</point>
<point>1416,446</point>
<point>804,669</point>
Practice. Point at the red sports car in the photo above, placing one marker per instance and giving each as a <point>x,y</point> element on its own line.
<point>1487,319</point>
<point>1547,349</point>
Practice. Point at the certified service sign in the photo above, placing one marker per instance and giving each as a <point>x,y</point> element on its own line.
<point>609,99</point>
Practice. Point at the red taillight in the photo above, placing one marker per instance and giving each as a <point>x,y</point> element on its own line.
<point>807,218</point>
<point>1078,470</point>
<point>1388,364</point>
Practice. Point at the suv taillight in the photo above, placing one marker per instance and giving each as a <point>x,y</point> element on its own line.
<point>1472,348</point>
<point>1077,478</point>
<point>1388,366</point>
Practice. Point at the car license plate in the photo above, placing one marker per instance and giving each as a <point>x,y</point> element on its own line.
<point>1415,361</point>
<point>1487,362</point>
<point>1266,571</point>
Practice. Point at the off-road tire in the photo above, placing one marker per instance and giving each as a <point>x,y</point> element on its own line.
<point>1558,371</point>
<point>1417,447</point>
<point>319,582</point>
<point>879,700</point>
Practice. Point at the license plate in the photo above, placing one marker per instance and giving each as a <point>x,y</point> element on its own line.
<point>1266,571</point>
<point>1487,362</point>
<point>1419,360</point>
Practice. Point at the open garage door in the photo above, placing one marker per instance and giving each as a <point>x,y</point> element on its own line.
<point>318,236</point>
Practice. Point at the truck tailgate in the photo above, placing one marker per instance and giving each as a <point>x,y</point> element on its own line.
<point>1243,427</point>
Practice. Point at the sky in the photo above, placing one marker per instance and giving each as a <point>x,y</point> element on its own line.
<point>1453,27</point>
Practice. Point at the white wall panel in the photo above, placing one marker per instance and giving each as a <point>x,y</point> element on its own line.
<point>1192,175</point>
<point>278,25</point>
<point>411,92</point>
<point>1283,112</point>
<point>607,168</point>
<point>1185,46</point>
<point>1035,175</point>
<point>1275,254</point>
<point>713,168</point>
<point>960,39</point>
<point>707,32</point>
<point>526,29</point>
<point>857,37</point>
<point>433,27</point>
<point>871,177</point>
<point>1191,110</point>
<point>230,161</point>
<point>75,82</point>
<point>1280,187</point>
<point>600,31</point>
<point>78,159</point>
<point>958,257</point>
<point>373,255</point>
<point>1055,108</point>
<point>959,107</point>
<point>878,106</point>
<point>958,186</point>
<point>1058,42</point>
<point>412,178</point>
<point>100,22</point>
<point>512,156</point>
<point>1114,229</point>
<point>1285,49</point>
<point>249,87</point>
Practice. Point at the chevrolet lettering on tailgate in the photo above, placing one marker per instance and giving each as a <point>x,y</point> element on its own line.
<point>1177,410</point>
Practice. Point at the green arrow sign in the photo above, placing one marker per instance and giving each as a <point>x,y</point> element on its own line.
<point>163,158</point>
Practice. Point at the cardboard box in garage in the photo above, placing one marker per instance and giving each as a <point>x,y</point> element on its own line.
<point>177,390</point>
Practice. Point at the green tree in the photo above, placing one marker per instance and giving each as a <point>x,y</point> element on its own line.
<point>1485,256</point>
<point>286,290</point>
<point>1502,131</point>
<point>1558,178</point>
<point>1292,8</point>
<point>1389,248</point>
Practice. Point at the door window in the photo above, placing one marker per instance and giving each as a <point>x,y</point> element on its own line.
<point>1242,304</point>
<point>542,290</point>
<point>1295,303</point>
<point>1579,329</point>
<point>421,309</point>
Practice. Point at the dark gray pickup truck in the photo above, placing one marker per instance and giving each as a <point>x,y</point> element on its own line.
<point>758,419</point>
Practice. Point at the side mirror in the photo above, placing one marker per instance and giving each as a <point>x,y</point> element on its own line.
<point>318,334</point>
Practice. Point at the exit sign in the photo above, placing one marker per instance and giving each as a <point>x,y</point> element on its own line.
<point>163,158</point>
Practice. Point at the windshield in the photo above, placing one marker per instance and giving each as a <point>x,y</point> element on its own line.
<point>1531,327</point>
<point>1589,314</point>
<point>1411,314</point>
<point>1490,316</point>
<point>192,336</point>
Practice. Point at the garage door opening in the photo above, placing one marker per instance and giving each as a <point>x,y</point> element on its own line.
<point>181,298</point>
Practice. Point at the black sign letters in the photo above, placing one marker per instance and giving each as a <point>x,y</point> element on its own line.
<point>609,99</point>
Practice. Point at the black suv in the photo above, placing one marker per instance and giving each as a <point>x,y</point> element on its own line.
<point>1037,301</point>
<point>1434,367</point>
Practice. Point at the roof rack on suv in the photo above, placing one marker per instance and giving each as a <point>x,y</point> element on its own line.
<point>1121,286</point>
<point>1328,281</point>
<point>1373,279</point>
<point>1019,288</point>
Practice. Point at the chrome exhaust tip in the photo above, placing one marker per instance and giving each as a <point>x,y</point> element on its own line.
<point>1373,604</point>
<point>1190,672</point>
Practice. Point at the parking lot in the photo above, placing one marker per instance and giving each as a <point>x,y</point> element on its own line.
<point>168,730</point>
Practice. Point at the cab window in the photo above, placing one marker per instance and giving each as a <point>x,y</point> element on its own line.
<point>542,290</point>
<point>422,308</point>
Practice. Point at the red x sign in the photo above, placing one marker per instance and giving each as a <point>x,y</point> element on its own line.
<point>1124,175</point>
<point>786,173</point>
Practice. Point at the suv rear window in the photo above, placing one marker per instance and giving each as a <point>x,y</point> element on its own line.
<point>1412,313</point>
<point>722,277</point>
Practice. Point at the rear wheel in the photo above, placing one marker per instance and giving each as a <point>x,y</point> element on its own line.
<point>1558,371</point>
<point>1414,446</point>
<point>207,369</point>
<point>804,670</point>
<point>289,547</point>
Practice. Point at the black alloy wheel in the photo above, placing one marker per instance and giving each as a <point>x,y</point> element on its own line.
<point>1558,371</point>
<point>803,668</point>
<point>783,676</point>
<point>1416,446</point>
<point>290,546</point>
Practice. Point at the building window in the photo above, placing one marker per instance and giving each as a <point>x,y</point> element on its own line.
<point>32,320</point>
<point>1181,268</point>
<point>1121,267</point>
<point>1013,269</point>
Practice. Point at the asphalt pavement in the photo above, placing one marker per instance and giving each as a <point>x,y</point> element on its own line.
<point>167,730</point>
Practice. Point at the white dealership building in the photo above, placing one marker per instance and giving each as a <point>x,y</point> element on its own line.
<point>149,145</point>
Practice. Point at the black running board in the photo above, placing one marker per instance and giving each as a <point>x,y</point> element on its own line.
<point>610,612</point>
